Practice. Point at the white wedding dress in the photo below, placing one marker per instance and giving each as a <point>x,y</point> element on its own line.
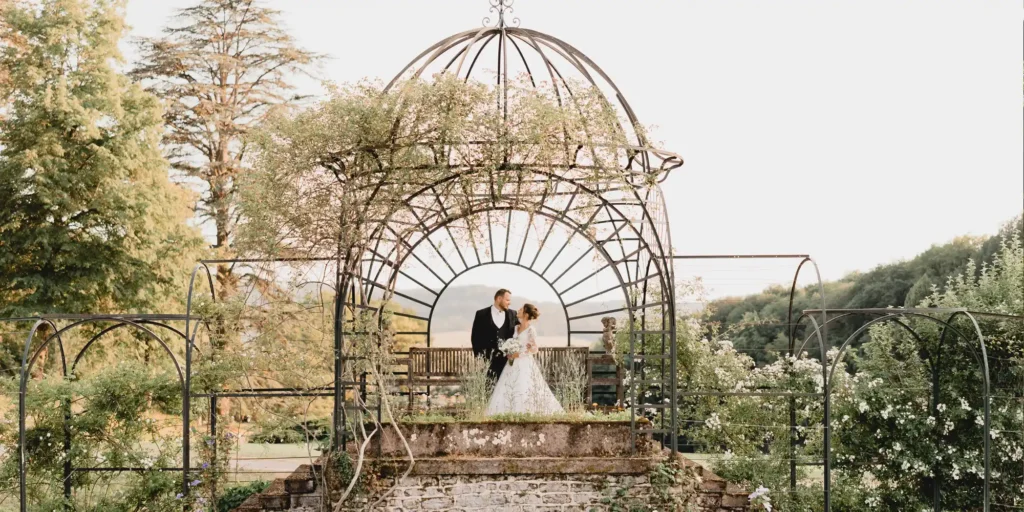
<point>522,387</point>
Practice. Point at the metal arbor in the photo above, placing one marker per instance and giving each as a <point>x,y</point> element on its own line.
<point>554,221</point>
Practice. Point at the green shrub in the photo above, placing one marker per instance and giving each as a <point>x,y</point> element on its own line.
<point>234,496</point>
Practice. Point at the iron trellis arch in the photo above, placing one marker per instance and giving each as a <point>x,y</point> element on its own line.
<point>540,43</point>
<point>529,268</point>
<point>659,249</point>
<point>896,315</point>
<point>632,305</point>
<point>552,214</point>
<point>656,250</point>
<point>141,323</point>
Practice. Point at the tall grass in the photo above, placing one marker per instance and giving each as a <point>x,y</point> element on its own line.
<point>570,382</point>
<point>476,388</point>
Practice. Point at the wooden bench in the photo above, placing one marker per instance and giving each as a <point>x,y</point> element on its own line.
<point>445,366</point>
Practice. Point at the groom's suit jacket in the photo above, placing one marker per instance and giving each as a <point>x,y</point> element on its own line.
<point>485,337</point>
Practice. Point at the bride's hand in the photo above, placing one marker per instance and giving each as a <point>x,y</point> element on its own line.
<point>512,356</point>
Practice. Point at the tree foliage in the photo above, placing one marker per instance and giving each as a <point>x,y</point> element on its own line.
<point>88,218</point>
<point>753,323</point>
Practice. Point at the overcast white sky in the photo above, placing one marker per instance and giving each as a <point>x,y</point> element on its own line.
<point>860,132</point>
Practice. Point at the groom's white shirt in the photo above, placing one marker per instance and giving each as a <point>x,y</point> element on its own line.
<point>498,316</point>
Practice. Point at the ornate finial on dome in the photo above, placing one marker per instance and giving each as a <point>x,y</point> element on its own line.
<point>503,8</point>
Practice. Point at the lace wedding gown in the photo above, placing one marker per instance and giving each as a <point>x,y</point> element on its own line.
<point>522,387</point>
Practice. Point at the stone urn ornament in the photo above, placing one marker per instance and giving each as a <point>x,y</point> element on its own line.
<point>608,336</point>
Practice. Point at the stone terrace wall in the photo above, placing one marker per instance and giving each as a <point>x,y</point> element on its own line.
<point>529,493</point>
<point>519,493</point>
<point>524,467</point>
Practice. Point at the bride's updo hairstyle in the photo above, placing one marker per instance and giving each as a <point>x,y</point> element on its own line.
<point>531,311</point>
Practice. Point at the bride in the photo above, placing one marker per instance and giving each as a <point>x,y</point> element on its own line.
<point>521,387</point>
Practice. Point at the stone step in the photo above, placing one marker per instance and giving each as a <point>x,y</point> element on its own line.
<point>302,480</point>
<point>275,497</point>
<point>306,501</point>
<point>300,491</point>
<point>296,491</point>
<point>251,504</point>
<point>522,466</point>
<point>713,485</point>
<point>735,501</point>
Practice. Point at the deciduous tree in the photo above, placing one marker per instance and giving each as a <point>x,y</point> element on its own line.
<point>89,221</point>
<point>88,218</point>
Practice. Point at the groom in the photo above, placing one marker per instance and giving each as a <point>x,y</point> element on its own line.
<point>491,323</point>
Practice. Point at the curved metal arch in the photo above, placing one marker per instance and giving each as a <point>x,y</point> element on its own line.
<point>983,363</point>
<point>987,405</point>
<point>893,319</point>
<point>462,173</point>
<point>140,325</point>
<point>22,394</point>
<point>632,223</point>
<point>576,58</point>
<point>802,316</point>
<point>536,40</point>
<point>822,337</point>
<point>826,421</point>
<point>398,264</point>
<point>190,337</point>
<point>792,296</point>
<point>26,367</point>
<point>121,322</point>
<point>483,207</point>
<point>896,314</point>
<point>555,217</point>
<point>191,291</point>
<point>448,219</point>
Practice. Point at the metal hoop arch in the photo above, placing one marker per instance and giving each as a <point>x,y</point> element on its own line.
<point>28,362</point>
<point>887,315</point>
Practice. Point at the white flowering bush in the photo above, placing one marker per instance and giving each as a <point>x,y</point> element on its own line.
<point>893,444</point>
<point>760,500</point>
<point>914,444</point>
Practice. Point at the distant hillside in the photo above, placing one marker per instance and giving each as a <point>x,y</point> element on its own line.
<point>752,322</point>
<point>458,304</point>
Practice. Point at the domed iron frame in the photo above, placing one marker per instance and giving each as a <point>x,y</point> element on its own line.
<point>622,219</point>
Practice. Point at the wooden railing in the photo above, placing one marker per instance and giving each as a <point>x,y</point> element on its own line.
<point>446,366</point>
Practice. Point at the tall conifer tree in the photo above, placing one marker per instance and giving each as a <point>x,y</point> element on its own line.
<point>222,67</point>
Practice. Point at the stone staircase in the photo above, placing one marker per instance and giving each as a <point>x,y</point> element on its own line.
<point>301,492</point>
<point>513,467</point>
<point>715,493</point>
<point>298,492</point>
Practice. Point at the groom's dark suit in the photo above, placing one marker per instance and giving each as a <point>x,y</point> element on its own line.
<point>485,338</point>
